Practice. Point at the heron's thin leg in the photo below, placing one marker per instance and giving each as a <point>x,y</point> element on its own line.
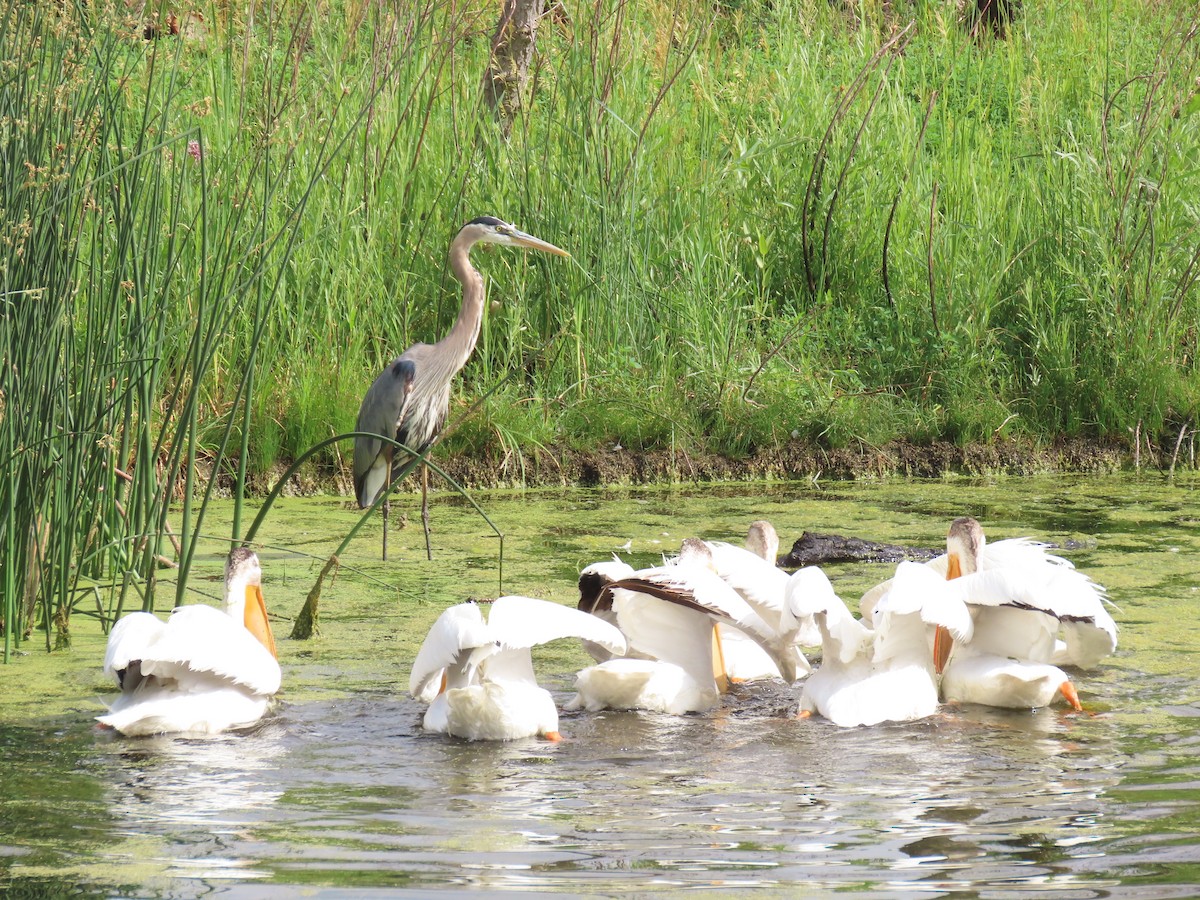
<point>425,509</point>
<point>386,485</point>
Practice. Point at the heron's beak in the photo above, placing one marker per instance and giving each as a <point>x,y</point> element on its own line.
<point>529,242</point>
<point>255,618</point>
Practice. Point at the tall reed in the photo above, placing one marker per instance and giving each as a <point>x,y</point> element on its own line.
<point>138,241</point>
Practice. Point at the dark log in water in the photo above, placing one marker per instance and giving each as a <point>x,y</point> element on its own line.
<point>815,549</point>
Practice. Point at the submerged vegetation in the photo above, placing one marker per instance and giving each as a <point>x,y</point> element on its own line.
<point>830,224</point>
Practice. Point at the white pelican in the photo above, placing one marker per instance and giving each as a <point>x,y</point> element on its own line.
<point>885,674</point>
<point>669,615</point>
<point>993,680</point>
<point>204,670</point>
<point>477,675</point>
<point>762,584</point>
<point>1020,596</point>
<point>1026,602</point>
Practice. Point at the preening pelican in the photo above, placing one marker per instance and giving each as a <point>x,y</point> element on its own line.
<point>884,674</point>
<point>202,671</point>
<point>477,675</point>
<point>669,615</point>
<point>762,584</point>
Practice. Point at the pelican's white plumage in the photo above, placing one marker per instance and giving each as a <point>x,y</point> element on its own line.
<point>993,680</point>
<point>1034,605</point>
<point>761,584</point>
<point>202,671</point>
<point>649,684</point>
<point>477,675</point>
<point>1021,598</point>
<point>885,674</point>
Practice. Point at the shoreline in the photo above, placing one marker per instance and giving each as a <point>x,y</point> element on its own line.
<point>619,467</point>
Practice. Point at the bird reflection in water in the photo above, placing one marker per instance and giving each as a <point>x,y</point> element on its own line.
<point>217,781</point>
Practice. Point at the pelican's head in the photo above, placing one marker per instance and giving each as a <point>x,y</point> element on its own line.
<point>696,552</point>
<point>762,540</point>
<point>964,547</point>
<point>490,230</point>
<point>594,593</point>
<point>243,594</point>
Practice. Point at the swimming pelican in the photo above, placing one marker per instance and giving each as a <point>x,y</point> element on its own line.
<point>477,675</point>
<point>992,680</point>
<point>884,674</point>
<point>669,615</point>
<point>202,671</point>
<point>1026,602</point>
<point>1019,605</point>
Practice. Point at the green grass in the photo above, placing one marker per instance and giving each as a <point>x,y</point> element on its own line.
<point>732,180</point>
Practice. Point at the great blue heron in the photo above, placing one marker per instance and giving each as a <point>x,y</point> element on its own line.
<point>411,397</point>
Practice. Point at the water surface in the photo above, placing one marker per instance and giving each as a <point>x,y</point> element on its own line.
<point>341,794</point>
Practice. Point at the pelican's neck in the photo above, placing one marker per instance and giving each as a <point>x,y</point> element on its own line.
<point>235,596</point>
<point>460,339</point>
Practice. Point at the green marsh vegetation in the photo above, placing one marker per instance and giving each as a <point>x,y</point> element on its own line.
<point>838,224</point>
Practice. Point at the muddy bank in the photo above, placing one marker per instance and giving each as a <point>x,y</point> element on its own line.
<point>617,466</point>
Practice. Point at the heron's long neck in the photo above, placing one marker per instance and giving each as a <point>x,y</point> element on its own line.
<point>460,340</point>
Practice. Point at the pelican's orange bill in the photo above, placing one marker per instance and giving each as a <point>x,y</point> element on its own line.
<point>943,643</point>
<point>1071,695</point>
<point>720,673</point>
<point>255,618</point>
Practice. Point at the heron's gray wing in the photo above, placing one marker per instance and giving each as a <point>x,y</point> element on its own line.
<point>382,409</point>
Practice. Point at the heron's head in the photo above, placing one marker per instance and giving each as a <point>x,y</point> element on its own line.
<point>490,230</point>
